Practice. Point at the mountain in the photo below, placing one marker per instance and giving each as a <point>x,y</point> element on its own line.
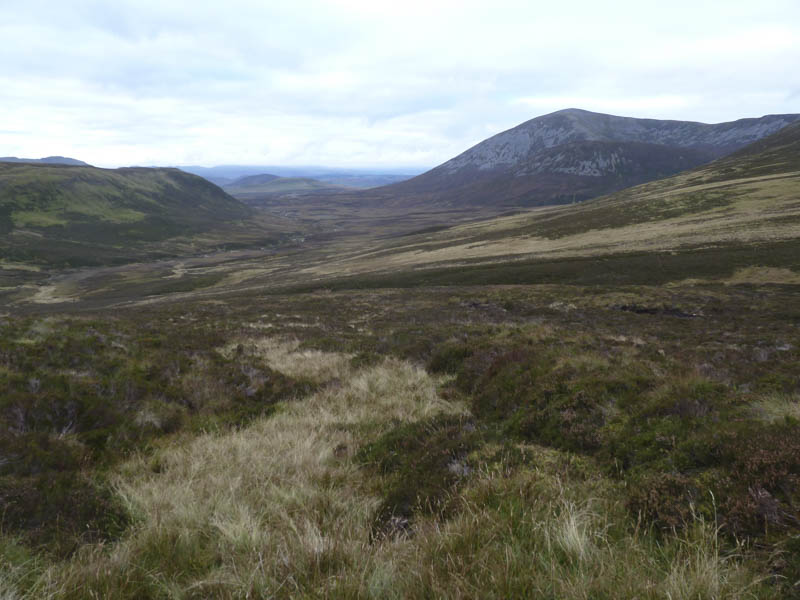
<point>51,212</point>
<point>573,155</point>
<point>737,217</point>
<point>49,160</point>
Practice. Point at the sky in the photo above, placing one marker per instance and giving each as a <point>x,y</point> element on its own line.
<point>367,83</point>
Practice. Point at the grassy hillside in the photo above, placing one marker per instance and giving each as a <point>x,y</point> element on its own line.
<point>744,205</point>
<point>560,442</point>
<point>69,215</point>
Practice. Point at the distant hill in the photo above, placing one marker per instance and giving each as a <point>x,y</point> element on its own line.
<point>59,213</point>
<point>226,175</point>
<point>251,181</point>
<point>362,180</point>
<point>573,155</point>
<point>254,187</point>
<point>49,160</point>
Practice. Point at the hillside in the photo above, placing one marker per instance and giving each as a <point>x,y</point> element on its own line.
<point>573,155</point>
<point>746,201</point>
<point>77,215</point>
<point>776,154</point>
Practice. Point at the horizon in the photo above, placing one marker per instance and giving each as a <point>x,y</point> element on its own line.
<point>355,84</point>
<point>412,170</point>
<point>356,168</point>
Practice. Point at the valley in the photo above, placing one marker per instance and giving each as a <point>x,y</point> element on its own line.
<point>443,387</point>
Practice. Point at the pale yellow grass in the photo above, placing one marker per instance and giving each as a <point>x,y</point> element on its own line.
<point>178,271</point>
<point>8,585</point>
<point>761,275</point>
<point>16,266</point>
<point>240,276</point>
<point>285,356</point>
<point>50,294</point>
<point>777,407</point>
<point>583,362</point>
<point>575,532</point>
<point>39,330</point>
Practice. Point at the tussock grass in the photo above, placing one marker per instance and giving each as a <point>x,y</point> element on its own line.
<point>279,509</point>
<point>583,362</point>
<point>272,509</point>
<point>8,590</point>
<point>285,356</point>
<point>551,530</point>
<point>777,407</point>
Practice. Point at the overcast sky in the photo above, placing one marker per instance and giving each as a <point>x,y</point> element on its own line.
<point>363,83</point>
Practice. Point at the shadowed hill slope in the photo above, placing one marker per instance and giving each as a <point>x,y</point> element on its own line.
<point>71,214</point>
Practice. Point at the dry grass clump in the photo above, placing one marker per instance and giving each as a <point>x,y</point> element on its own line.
<point>774,408</point>
<point>287,518</point>
<point>762,275</point>
<point>583,362</point>
<point>8,589</point>
<point>285,356</point>
<point>9,583</point>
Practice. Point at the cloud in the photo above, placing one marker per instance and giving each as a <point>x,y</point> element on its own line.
<point>368,83</point>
